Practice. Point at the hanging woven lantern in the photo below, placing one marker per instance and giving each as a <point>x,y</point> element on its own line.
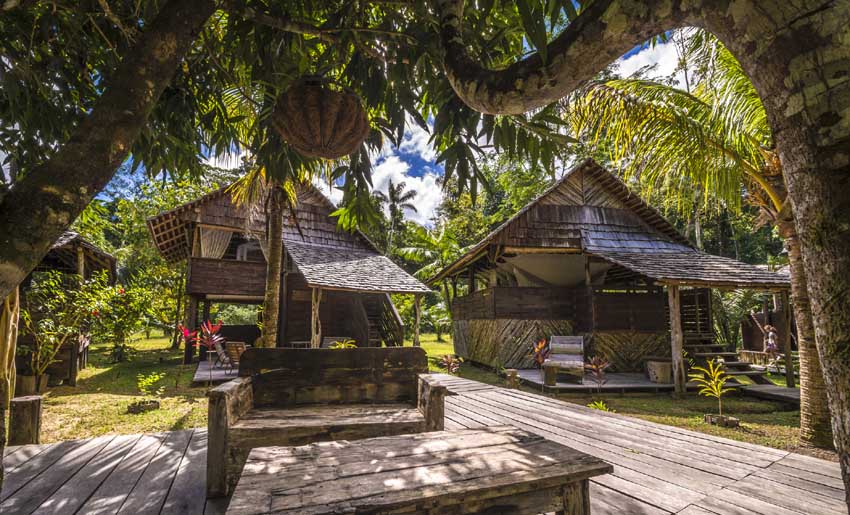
<point>319,121</point>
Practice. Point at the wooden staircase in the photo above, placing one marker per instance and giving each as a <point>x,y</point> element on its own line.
<point>703,351</point>
<point>385,325</point>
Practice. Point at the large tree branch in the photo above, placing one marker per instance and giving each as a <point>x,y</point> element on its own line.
<point>35,212</point>
<point>603,32</point>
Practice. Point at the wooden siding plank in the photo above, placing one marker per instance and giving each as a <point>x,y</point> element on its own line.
<point>188,492</point>
<point>74,493</point>
<point>28,498</point>
<point>152,488</point>
<point>111,494</point>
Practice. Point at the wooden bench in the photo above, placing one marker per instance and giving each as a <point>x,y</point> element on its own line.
<point>300,396</point>
<point>500,470</point>
<point>566,355</point>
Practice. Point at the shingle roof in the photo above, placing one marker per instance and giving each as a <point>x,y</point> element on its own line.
<point>348,269</point>
<point>692,267</point>
<point>591,210</point>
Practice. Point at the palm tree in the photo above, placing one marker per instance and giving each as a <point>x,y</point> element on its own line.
<point>434,249</point>
<point>715,141</point>
<point>259,192</point>
<point>397,200</point>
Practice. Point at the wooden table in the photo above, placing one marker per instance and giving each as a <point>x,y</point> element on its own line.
<point>498,470</point>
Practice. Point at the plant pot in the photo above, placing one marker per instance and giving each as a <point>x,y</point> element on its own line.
<point>721,420</point>
<point>30,385</point>
<point>142,406</point>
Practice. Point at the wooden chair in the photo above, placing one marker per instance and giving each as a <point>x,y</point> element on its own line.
<point>290,397</point>
<point>234,351</point>
<point>566,356</point>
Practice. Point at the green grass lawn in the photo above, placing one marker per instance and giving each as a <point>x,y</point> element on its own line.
<point>98,405</point>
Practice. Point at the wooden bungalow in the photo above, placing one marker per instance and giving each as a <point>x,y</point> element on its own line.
<point>588,257</point>
<point>70,254</point>
<point>335,283</point>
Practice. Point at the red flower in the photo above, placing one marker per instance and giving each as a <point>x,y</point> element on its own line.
<point>120,291</point>
<point>95,312</point>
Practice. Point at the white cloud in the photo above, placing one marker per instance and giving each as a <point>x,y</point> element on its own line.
<point>334,194</point>
<point>662,55</point>
<point>416,141</point>
<point>227,161</point>
<point>428,191</point>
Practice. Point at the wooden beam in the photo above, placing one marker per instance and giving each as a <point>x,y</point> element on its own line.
<point>417,309</point>
<point>190,322</point>
<point>676,339</point>
<point>202,351</point>
<point>81,262</point>
<point>315,320</point>
<point>785,332</point>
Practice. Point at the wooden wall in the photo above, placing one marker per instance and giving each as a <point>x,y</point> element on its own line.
<point>341,313</point>
<point>626,350</point>
<point>221,277</point>
<point>526,303</point>
<point>504,342</point>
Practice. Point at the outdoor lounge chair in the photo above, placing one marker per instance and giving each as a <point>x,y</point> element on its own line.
<point>234,351</point>
<point>221,359</point>
<point>566,356</point>
<point>291,397</point>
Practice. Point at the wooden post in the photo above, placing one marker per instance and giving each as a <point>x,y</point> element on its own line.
<point>281,310</point>
<point>81,263</point>
<point>588,286</point>
<point>315,319</point>
<point>676,339</point>
<point>190,323</point>
<point>25,420</point>
<point>417,309</point>
<point>74,365</point>
<point>790,380</point>
<point>202,351</point>
<point>471,279</point>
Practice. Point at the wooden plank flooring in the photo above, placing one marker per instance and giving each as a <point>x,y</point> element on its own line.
<point>160,473</point>
<point>657,469</point>
<point>773,392</point>
<point>660,469</point>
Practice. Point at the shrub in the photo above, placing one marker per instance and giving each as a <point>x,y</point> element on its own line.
<point>146,384</point>
<point>451,363</point>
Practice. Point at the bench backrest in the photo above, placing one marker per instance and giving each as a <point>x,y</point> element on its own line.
<point>566,345</point>
<point>287,377</point>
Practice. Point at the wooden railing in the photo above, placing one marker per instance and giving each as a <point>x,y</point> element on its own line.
<point>384,319</point>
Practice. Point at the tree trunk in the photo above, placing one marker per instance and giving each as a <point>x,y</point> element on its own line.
<point>42,204</point>
<point>9,311</point>
<point>799,61</point>
<point>815,424</point>
<point>274,246</point>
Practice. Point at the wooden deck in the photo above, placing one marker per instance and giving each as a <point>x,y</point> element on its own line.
<point>772,392</point>
<point>617,383</point>
<point>219,374</point>
<point>138,474</point>
<point>657,469</point>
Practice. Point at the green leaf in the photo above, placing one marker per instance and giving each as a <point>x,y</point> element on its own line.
<point>534,24</point>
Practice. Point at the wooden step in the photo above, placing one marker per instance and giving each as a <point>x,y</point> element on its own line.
<point>748,373</point>
<point>736,364</point>
<point>715,354</point>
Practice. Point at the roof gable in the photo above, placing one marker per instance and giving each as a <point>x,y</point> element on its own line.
<point>586,209</point>
<point>309,222</point>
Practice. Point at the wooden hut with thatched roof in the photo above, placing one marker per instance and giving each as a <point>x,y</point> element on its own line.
<point>590,258</point>
<point>337,275</point>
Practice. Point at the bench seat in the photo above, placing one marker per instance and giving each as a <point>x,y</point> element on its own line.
<point>307,424</point>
